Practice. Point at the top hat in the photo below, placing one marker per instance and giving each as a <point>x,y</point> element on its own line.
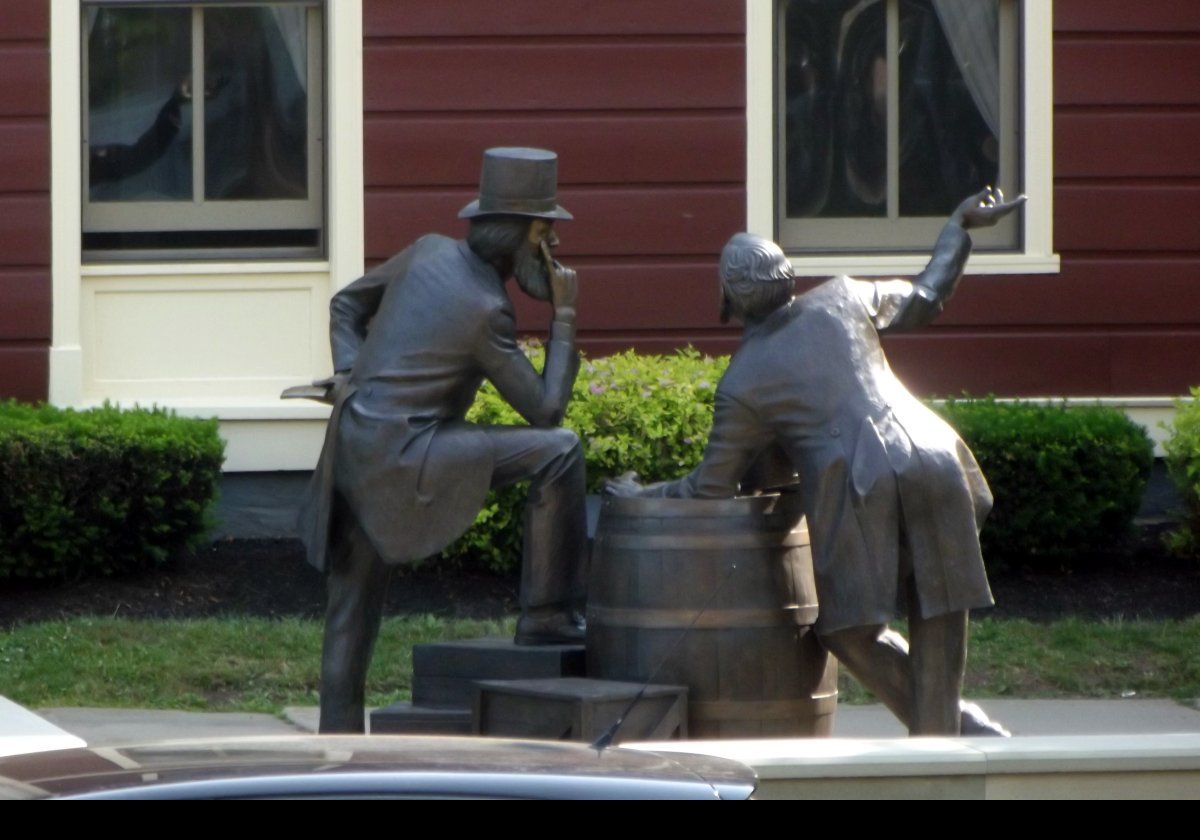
<point>517,182</point>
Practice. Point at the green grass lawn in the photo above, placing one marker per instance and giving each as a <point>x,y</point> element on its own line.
<point>221,664</point>
<point>262,665</point>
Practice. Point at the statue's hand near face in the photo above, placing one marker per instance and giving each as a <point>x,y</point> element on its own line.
<point>564,282</point>
<point>985,208</point>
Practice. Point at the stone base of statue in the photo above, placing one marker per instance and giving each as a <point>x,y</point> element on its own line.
<point>578,709</point>
<point>718,596</point>
<point>404,718</point>
<point>445,673</point>
<point>707,603</point>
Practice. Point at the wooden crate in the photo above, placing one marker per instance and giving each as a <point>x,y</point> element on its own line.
<point>578,709</point>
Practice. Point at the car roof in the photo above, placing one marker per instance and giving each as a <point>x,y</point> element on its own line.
<point>315,765</point>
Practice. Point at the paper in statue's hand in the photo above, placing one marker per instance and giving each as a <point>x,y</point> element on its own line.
<point>322,391</point>
<point>307,392</point>
<point>771,472</point>
<point>625,485</point>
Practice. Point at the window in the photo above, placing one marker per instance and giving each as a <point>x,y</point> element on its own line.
<point>880,116</point>
<point>202,129</point>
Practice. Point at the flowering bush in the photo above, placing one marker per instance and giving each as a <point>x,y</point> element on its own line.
<point>1067,482</point>
<point>651,414</point>
<point>1183,462</point>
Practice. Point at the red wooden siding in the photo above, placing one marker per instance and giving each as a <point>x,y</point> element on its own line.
<point>24,155</point>
<point>1123,316</point>
<point>645,104</point>
<point>593,149</point>
<point>558,19</point>
<point>1121,16</point>
<point>1161,144</point>
<point>1125,71</point>
<point>619,221</point>
<point>24,200</point>
<point>25,69</point>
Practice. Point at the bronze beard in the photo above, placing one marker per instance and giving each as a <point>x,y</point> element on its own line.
<point>529,270</point>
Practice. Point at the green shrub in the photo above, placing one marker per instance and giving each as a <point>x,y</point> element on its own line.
<point>101,491</point>
<point>1067,482</point>
<point>1183,463</point>
<point>646,413</point>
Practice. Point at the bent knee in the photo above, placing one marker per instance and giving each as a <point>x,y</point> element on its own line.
<point>562,441</point>
<point>852,637</point>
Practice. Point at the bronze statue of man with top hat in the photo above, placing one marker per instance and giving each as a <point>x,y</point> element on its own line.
<point>402,473</point>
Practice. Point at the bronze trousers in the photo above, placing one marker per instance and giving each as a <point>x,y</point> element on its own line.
<point>921,683</point>
<point>553,573</point>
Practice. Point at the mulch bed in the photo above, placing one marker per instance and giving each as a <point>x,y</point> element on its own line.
<point>267,578</point>
<point>270,578</point>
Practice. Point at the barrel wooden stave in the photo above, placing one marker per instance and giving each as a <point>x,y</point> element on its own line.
<point>750,662</point>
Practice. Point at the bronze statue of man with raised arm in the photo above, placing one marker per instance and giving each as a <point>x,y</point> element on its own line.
<point>402,473</point>
<point>893,497</point>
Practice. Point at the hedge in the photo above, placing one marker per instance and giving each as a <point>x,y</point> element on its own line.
<point>1067,481</point>
<point>101,491</point>
<point>1183,464</point>
<point>651,414</point>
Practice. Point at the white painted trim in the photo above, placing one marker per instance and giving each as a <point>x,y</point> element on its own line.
<point>1038,256</point>
<point>263,432</point>
<point>760,118</point>
<point>232,409</point>
<point>1154,414</point>
<point>259,435</point>
<point>1038,49</point>
<point>344,157</point>
<point>1144,765</point>
<point>271,445</point>
<point>904,265</point>
<point>194,268</point>
<point>1123,403</point>
<point>66,367</point>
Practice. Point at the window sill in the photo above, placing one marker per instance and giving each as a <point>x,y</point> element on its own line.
<point>158,269</point>
<point>905,265</point>
<point>228,409</point>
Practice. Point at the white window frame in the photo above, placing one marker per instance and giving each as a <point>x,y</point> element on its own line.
<point>209,214</point>
<point>1037,254</point>
<point>251,424</point>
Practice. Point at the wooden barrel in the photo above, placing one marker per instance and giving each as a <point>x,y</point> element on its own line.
<point>718,596</point>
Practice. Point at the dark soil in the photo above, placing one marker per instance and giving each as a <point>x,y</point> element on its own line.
<point>1140,581</point>
<point>270,578</point>
<point>250,577</point>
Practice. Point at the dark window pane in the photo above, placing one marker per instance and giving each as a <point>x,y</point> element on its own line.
<point>256,103</point>
<point>202,239</point>
<point>835,108</point>
<point>949,102</point>
<point>139,111</point>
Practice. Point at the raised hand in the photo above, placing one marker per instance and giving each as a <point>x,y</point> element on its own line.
<point>564,283</point>
<point>985,208</point>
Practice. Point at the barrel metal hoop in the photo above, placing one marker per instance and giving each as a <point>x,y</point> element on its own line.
<point>713,619</point>
<point>740,710</point>
<point>705,542</point>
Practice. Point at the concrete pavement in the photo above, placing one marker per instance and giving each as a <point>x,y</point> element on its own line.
<point>106,727</point>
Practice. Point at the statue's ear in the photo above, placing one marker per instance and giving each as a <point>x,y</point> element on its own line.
<point>726,307</point>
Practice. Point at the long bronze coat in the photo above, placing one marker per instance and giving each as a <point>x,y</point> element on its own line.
<point>885,481</point>
<point>420,333</point>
